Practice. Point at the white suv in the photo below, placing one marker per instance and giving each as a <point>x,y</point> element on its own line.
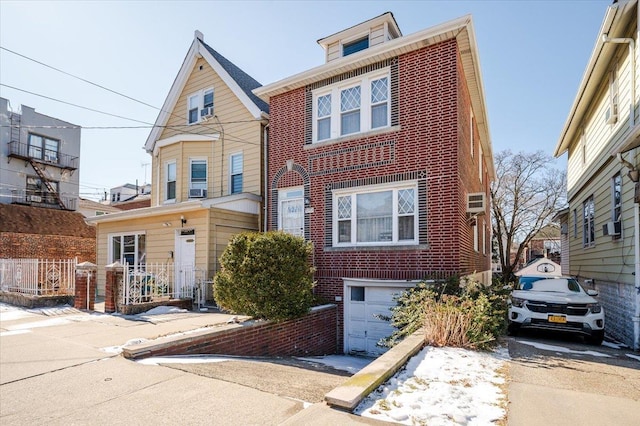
<point>556,303</point>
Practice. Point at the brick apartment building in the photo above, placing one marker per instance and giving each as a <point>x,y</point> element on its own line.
<point>382,158</point>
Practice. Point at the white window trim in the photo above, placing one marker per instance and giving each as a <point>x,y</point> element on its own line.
<point>591,243</point>
<point>480,171</point>
<point>166,181</point>
<point>475,236</point>
<point>235,154</point>
<point>395,187</point>
<point>471,118</point>
<point>364,81</point>
<point>282,197</point>
<point>206,163</point>
<point>200,95</point>
<point>613,198</point>
<point>123,234</point>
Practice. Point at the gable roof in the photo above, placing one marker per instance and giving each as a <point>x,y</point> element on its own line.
<point>460,29</point>
<point>43,221</point>
<point>240,83</point>
<point>613,25</point>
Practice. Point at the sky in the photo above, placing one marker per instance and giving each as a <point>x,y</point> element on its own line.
<point>532,57</point>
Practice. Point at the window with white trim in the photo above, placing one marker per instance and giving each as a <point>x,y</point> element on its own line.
<point>197,103</point>
<point>376,216</point>
<point>352,106</point>
<point>588,226</point>
<point>480,171</point>
<point>235,173</point>
<point>198,174</point>
<point>170,181</point>
<point>128,248</point>
<point>291,210</point>
<point>471,126</point>
<point>616,200</point>
<point>355,46</point>
<point>475,235</point>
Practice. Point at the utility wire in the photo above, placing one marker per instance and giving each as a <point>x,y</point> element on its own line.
<point>75,105</point>
<point>80,78</point>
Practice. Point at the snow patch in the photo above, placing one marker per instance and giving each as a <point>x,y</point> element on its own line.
<point>442,386</point>
<point>636,357</point>
<point>347,363</point>
<point>562,349</point>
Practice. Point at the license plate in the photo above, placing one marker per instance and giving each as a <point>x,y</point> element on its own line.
<point>557,318</point>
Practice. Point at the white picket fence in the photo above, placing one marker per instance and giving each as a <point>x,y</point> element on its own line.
<point>157,282</point>
<point>40,277</point>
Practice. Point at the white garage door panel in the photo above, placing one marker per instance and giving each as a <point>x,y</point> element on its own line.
<point>364,328</point>
<point>358,310</point>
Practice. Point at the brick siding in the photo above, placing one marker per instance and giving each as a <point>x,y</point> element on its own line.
<point>429,145</point>
<point>37,246</point>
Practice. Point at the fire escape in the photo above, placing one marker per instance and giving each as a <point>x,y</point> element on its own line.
<point>22,151</point>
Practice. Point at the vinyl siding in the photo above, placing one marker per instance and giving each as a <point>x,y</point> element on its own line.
<point>213,229</point>
<point>377,35</point>
<point>238,131</point>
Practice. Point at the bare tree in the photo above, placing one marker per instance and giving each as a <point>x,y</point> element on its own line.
<point>527,193</point>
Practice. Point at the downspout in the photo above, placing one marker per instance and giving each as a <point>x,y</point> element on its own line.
<point>632,56</point>
<point>265,165</point>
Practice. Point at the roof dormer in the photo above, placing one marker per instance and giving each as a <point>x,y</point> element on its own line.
<point>367,34</point>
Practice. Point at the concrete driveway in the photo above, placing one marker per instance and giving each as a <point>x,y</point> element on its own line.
<point>61,366</point>
<point>559,380</point>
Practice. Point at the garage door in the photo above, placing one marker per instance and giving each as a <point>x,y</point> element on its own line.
<point>364,302</point>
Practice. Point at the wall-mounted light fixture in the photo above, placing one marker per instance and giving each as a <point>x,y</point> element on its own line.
<point>183,221</point>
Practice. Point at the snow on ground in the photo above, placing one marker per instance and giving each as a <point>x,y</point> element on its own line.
<point>351,364</point>
<point>636,357</point>
<point>442,386</point>
<point>554,348</point>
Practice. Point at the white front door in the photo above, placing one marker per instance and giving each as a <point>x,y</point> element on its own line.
<point>364,302</point>
<point>185,262</point>
<point>291,211</point>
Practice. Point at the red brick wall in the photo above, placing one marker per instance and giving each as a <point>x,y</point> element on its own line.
<point>35,246</point>
<point>432,143</point>
<point>312,335</point>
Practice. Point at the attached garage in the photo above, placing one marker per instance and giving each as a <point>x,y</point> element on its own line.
<point>364,301</point>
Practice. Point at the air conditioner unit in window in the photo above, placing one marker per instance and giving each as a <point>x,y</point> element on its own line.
<point>476,203</point>
<point>197,193</point>
<point>206,112</point>
<point>611,228</point>
<point>611,116</point>
<point>35,198</point>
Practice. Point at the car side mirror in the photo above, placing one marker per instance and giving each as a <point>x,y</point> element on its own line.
<point>592,292</point>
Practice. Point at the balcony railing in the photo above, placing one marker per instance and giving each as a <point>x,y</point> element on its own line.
<point>42,199</point>
<point>21,150</point>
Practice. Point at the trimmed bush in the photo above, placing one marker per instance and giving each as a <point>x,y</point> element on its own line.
<point>265,275</point>
<point>453,313</point>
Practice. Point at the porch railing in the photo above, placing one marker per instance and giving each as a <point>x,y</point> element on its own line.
<point>158,282</point>
<point>40,277</point>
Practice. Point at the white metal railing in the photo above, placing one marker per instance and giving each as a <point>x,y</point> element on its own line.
<point>157,282</point>
<point>39,277</point>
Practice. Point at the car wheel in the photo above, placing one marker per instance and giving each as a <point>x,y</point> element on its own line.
<point>513,328</point>
<point>596,338</point>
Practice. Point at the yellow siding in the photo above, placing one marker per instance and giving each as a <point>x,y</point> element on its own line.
<point>239,133</point>
<point>213,229</point>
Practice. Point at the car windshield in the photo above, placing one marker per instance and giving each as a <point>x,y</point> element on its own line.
<point>561,285</point>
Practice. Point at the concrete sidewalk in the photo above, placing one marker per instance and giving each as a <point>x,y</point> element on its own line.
<point>73,355</point>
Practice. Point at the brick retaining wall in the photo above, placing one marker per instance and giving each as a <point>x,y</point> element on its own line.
<point>311,335</point>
